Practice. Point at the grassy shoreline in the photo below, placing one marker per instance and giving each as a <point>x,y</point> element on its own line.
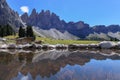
<point>53,41</point>
<point>11,39</point>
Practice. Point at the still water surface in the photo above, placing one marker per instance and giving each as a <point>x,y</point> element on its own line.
<point>60,65</point>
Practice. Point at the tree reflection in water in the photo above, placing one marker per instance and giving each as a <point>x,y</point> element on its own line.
<point>60,65</point>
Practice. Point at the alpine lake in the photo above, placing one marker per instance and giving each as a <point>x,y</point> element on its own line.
<point>60,64</point>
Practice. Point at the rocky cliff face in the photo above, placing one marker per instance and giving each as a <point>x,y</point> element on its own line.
<point>8,16</point>
<point>79,29</point>
<point>47,20</point>
<point>44,20</point>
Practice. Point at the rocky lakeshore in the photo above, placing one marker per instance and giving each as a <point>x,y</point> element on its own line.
<point>101,45</point>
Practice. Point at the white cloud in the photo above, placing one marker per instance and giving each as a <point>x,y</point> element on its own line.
<point>24,9</point>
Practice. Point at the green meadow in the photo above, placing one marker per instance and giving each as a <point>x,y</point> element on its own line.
<point>53,41</point>
<point>11,39</point>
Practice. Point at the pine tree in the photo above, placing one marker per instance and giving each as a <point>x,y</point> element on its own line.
<point>4,30</point>
<point>21,32</point>
<point>29,31</point>
<point>9,30</point>
<point>0,31</point>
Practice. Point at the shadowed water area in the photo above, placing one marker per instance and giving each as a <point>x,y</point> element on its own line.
<point>60,65</point>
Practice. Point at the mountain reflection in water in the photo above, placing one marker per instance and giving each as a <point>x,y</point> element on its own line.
<point>60,65</point>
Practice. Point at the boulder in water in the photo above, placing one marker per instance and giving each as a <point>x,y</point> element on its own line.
<point>107,44</point>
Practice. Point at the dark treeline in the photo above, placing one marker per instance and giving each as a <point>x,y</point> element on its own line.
<point>28,32</point>
<point>6,30</point>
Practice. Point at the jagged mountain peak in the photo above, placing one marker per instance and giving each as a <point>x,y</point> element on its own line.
<point>2,1</point>
<point>8,16</point>
<point>24,17</point>
<point>47,20</point>
<point>34,12</point>
<point>47,12</point>
<point>44,19</point>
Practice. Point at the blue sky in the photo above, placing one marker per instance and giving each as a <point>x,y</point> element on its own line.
<point>93,12</point>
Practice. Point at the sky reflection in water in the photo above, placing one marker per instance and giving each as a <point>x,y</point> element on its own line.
<point>94,70</point>
<point>60,65</point>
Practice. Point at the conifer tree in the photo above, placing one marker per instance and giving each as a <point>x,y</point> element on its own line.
<point>29,31</point>
<point>21,32</point>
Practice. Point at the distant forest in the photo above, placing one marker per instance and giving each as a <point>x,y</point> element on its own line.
<point>6,30</point>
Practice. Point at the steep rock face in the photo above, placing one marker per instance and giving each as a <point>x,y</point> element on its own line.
<point>100,28</point>
<point>24,17</point>
<point>33,18</point>
<point>8,16</point>
<point>46,20</point>
<point>106,29</point>
<point>113,28</point>
<point>79,29</point>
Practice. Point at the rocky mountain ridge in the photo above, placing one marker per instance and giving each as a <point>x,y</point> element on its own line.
<point>47,20</point>
<point>8,16</point>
